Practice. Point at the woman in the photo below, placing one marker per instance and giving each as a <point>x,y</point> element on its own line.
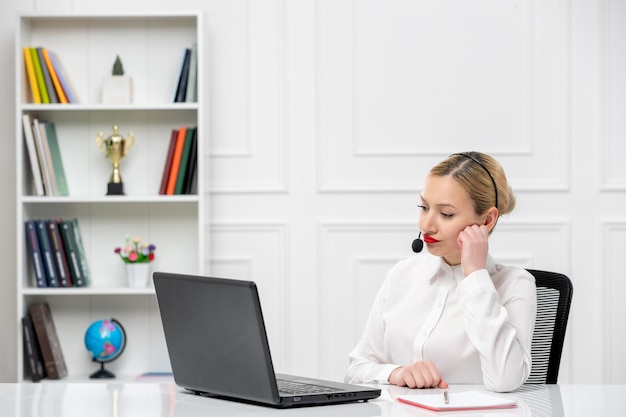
<point>452,315</point>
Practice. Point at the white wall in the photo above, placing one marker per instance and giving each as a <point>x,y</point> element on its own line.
<point>325,116</point>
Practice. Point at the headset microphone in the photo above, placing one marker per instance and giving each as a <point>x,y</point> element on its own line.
<point>418,244</point>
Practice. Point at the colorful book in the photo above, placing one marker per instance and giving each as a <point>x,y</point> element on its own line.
<point>45,99</point>
<point>168,162</point>
<point>43,159</point>
<point>184,77</point>
<point>49,263</point>
<point>32,154</point>
<point>58,251</point>
<point>57,161</point>
<point>36,256</point>
<point>192,79</point>
<point>48,340</point>
<point>33,361</point>
<point>32,78</point>
<point>178,152</point>
<point>193,165</point>
<point>82,255</point>
<point>184,162</point>
<point>52,95</point>
<point>55,79</point>
<point>66,228</point>
<point>63,78</point>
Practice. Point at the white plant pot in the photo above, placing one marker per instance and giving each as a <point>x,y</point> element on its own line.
<point>138,274</point>
<point>117,89</point>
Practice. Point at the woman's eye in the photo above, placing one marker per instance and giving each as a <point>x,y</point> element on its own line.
<point>447,215</point>
<point>423,208</point>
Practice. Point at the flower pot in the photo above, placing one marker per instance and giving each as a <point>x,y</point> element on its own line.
<point>117,89</point>
<point>138,274</point>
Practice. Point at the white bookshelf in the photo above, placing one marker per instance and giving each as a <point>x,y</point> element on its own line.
<point>150,46</point>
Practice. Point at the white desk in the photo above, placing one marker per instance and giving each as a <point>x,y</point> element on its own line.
<point>68,399</point>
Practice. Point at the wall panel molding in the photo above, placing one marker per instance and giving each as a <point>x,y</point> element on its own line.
<point>614,287</point>
<point>375,137</point>
<point>613,93</point>
<point>250,156</point>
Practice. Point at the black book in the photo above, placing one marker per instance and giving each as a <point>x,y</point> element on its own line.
<point>192,164</point>
<point>181,91</point>
<point>33,361</point>
<point>35,253</point>
<point>46,252</point>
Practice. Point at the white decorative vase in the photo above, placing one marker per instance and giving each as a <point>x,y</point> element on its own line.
<point>138,274</point>
<point>117,89</point>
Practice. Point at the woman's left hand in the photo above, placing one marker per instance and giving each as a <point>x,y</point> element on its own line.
<point>474,244</point>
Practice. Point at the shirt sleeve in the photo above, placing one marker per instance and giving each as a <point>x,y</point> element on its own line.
<point>368,360</point>
<point>500,324</point>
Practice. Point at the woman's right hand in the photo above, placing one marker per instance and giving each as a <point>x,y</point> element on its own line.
<point>422,374</point>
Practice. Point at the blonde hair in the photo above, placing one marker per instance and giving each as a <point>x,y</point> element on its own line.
<point>482,177</point>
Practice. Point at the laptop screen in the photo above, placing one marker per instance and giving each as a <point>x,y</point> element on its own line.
<point>215,336</point>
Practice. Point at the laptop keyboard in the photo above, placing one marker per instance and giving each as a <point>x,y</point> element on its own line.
<point>291,387</point>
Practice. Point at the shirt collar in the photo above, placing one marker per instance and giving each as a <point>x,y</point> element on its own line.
<point>441,268</point>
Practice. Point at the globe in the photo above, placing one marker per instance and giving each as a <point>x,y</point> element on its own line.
<point>105,340</point>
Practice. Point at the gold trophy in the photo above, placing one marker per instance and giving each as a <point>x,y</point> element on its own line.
<point>115,148</point>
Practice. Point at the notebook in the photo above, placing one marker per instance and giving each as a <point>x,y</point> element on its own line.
<point>218,346</point>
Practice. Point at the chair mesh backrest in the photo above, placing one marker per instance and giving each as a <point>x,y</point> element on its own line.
<point>554,297</point>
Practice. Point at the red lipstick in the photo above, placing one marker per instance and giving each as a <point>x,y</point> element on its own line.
<point>429,239</point>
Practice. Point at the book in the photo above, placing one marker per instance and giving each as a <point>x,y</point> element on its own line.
<point>58,251</point>
<point>193,165</point>
<point>43,160</point>
<point>57,160</point>
<point>45,99</point>
<point>36,256</point>
<point>178,152</point>
<point>55,79</point>
<point>30,74</point>
<point>82,255</point>
<point>49,264</point>
<point>35,367</point>
<point>52,95</point>
<point>180,74</point>
<point>184,162</point>
<point>48,340</point>
<point>32,154</point>
<point>459,401</point>
<point>192,78</point>
<point>63,78</point>
<point>66,227</point>
<point>184,76</point>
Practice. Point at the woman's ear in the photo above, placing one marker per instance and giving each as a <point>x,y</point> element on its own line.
<point>491,218</point>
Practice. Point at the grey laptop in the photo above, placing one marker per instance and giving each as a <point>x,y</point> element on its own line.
<point>218,346</point>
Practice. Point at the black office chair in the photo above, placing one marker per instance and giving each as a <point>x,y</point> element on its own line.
<point>554,298</point>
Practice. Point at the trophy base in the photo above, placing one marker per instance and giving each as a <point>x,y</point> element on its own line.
<point>115,188</point>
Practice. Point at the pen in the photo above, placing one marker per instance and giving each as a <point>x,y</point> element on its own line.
<point>446,399</point>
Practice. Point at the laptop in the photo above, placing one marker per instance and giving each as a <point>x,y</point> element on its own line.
<point>218,346</point>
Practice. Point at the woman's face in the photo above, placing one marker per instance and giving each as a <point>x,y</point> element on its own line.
<point>446,210</point>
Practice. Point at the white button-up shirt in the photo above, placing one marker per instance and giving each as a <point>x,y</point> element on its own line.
<point>475,329</point>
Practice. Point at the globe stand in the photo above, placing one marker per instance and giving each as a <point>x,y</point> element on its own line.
<point>102,373</point>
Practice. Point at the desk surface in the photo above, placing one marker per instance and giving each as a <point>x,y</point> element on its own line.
<point>61,399</point>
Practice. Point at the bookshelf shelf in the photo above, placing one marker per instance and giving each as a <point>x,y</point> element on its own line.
<point>151,46</point>
<point>80,292</point>
<point>160,199</point>
<point>45,108</point>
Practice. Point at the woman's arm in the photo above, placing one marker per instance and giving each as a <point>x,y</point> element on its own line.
<point>499,323</point>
